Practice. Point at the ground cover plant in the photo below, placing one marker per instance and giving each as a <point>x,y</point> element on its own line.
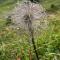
<point>14,43</point>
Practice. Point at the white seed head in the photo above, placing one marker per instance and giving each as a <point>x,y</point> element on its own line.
<point>37,12</point>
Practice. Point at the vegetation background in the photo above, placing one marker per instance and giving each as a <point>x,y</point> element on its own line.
<point>14,45</point>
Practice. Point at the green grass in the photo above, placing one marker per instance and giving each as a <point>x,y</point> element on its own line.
<point>12,42</point>
<point>47,3</point>
<point>7,5</point>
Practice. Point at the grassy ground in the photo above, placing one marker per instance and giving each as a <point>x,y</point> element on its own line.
<point>13,44</point>
<point>6,5</point>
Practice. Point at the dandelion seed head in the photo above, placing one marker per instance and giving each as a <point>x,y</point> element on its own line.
<point>37,12</point>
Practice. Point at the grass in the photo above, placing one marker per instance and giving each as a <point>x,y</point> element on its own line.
<point>6,6</point>
<point>47,3</point>
<point>14,44</point>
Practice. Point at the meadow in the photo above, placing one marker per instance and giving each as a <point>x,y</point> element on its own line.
<point>14,43</point>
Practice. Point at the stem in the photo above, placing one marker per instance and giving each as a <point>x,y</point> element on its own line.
<point>34,46</point>
<point>32,37</point>
<point>28,19</point>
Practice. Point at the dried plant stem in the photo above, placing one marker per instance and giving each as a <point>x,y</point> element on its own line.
<point>18,58</point>
<point>30,55</point>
